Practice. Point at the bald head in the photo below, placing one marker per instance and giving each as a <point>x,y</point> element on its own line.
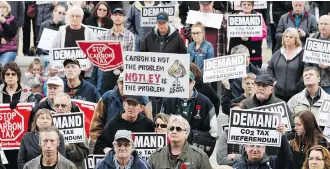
<point>324,26</point>
<point>298,7</point>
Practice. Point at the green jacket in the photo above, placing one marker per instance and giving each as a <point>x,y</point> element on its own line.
<point>191,156</point>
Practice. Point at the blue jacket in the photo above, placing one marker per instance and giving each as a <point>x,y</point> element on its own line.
<point>205,51</point>
<point>86,92</point>
<point>107,162</point>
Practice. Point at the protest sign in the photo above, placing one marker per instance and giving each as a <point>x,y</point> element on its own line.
<point>14,124</point>
<point>231,67</point>
<point>147,143</point>
<point>254,127</point>
<point>3,156</point>
<point>244,25</point>
<point>257,5</point>
<point>71,125</point>
<point>211,20</point>
<point>317,51</point>
<point>97,30</point>
<point>148,14</point>
<point>225,127</point>
<point>97,159</point>
<point>278,108</point>
<point>88,109</point>
<point>43,2</point>
<point>59,55</point>
<point>326,131</point>
<point>324,112</point>
<point>156,74</point>
<point>89,162</point>
<point>46,39</point>
<point>106,55</point>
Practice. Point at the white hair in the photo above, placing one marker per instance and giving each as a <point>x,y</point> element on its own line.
<point>62,94</point>
<point>74,9</point>
<point>180,120</point>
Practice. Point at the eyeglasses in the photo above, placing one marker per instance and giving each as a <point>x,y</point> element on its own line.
<point>119,144</point>
<point>12,74</point>
<point>315,159</point>
<point>61,13</point>
<point>60,105</point>
<point>196,33</point>
<point>104,10</point>
<point>255,146</point>
<point>161,125</point>
<point>178,129</point>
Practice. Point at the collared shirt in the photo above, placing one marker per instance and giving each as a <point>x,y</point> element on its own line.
<point>315,98</point>
<point>125,37</point>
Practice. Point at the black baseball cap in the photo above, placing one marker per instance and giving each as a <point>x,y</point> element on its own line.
<point>136,99</point>
<point>205,2</point>
<point>162,17</point>
<point>264,79</point>
<point>71,61</point>
<point>119,10</point>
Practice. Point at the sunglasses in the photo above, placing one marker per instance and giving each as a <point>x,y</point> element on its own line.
<point>12,74</point>
<point>161,125</point>
<point>104,10</point>
<point>178,129</point>
<point>60,105</point>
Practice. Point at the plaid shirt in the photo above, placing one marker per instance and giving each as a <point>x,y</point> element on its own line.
<point>125,37</point>
<point>222,40</point>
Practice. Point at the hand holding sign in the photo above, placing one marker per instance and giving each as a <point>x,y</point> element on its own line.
<point>281,128</point>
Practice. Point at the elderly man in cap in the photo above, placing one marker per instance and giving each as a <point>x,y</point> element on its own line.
<point>77,87</point>
<point>54,85</point>
<point>109,105</point>
<point>130,118</point>
<point>123,154</point>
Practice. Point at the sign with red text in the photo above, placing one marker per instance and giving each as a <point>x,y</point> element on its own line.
<point>156,74</point>
<point>13,124</point>
<point>88,108</point>
<point>106,55</point>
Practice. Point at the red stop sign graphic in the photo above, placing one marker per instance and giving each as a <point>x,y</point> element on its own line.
<point>105,55</point>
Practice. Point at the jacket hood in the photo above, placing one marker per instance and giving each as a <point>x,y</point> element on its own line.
<point>172,30</point>
<point>264,159</point>
<point>118,117</point>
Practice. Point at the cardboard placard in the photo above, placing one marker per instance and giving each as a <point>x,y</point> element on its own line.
<point>317,51</point>
<point>149,14</point>
<point>147,143</point>
<point>71,125</point>
<point>244,25</point>
<point>323,115</point>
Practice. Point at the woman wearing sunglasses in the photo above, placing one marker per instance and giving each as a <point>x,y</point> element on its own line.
<point>161,121</point>
<point>317,157</point>
<point>182,154</point>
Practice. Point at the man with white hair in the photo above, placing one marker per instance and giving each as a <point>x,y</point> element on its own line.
<point>179,152</point>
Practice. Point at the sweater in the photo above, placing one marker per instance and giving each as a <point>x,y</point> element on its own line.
<point>86,92</point>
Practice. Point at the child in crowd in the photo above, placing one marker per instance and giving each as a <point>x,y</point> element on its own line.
<point>36,80</point>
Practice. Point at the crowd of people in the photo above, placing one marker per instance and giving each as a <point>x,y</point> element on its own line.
<point>190,123</point>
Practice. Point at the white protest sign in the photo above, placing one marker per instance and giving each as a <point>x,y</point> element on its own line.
<point>97,158</point>
<point>43,2</point>
<point>323,114</point>
<point>89,162</point>
<point>147,143</point>
<point>278,108</point>
<point>254,127</point>
<point>3,156</point>
<point>317,51</point>
<point>149,14</point>
<point>71,125</point>
<point>257,5</point>
<point>59,55</point>
<point>219,68</point>
<point>156,74</point>
<point>46,39</point>
<point>326,131</point>
<point>244,25</point>
<point>96,30</point>
<point>211,20</point>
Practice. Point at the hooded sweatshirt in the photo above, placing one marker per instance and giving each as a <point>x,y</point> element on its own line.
<point>85,92</point>
<point>142,124</point>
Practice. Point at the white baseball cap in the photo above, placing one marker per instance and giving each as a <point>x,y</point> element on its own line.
<point>56,81</point>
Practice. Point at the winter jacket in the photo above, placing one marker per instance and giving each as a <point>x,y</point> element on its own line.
<point>299,102</point>
<point>207,90</point>
<point>280,161</point>
<point>192,156</point>
<point>227,100</point>
<point>1,165</point>
<point>30,148</point>
<point>22,93</point>
<point>226,148</point>
<point>86,92</point>
<point>287,73</point>
<point>92,21</point>
<point>17,10</point>
<point>205,51</point>
<point>8,31</point>
<point>107,162</point>
<point>279,8</point>
<point>323,6</point>
<point>45,11</point>
<point>62,163</point>
<point>77,152</point>
<point>324,73</point>
<point>173,43</point>
<point>47,105</point>
<point>109,105</point>
<point>49,24</point>
<point>308,24</point>
<point>254,44</point>
<point>142,124</point>
<point>198,104</point>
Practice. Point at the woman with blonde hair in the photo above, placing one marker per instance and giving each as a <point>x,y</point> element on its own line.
<point>286,66</point>
<point>317,157</point>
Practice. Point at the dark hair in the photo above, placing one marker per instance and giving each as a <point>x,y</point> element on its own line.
<point>325,153</point>
<point>49,129</point>
<point>13,67</point>
<point>313,133</point>
<point>195,70</point>
<point>312,68</point>
<point>96,7</point>
<point>34,127</point>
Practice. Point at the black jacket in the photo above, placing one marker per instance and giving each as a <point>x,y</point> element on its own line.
<point>207,90</point>
<point>92,21</point>
<point>283,158</point>
<point>46,105</point>
<point>227,100</point>
<point>49,24</point>
<point>18,9</point>
<point>142,124</point>
<point>172,43</point>
<point>279,8</point>
<point>30,148</point>
<point>1,165</point>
